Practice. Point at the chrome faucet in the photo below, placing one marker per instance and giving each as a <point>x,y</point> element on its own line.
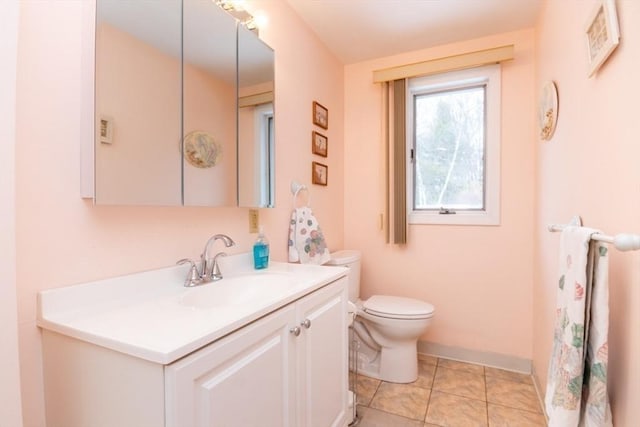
<point>209,270</point>
<point>193,277</point>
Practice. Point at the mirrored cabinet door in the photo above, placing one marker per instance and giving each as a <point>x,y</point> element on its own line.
<point>138,93</point>
<point>174,81</point>
<point>256,121</point>
<point>210,105</point>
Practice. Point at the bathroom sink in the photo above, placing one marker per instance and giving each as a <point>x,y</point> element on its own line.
<point>151,315</point>
<point>243,289</point>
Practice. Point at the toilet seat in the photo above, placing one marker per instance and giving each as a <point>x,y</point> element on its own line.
<point>393,307</point>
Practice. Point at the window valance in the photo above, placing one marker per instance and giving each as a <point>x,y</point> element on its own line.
<point>449,63</point>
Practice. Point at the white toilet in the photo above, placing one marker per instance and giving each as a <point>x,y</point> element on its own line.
<point>386,328</point>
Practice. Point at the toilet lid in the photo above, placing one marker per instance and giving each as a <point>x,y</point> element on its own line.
<point>398,307</point>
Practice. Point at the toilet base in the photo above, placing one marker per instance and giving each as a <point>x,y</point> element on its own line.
<point>395,365</point>
<point>400,364</point>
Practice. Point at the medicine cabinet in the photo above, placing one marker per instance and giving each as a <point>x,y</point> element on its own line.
<point>168,76</point>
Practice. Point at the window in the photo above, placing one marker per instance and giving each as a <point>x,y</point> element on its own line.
<point>453,141</point>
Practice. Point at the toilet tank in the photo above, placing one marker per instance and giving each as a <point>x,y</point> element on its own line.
<point>351,260</point>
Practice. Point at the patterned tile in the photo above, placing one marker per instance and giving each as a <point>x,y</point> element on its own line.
<point>461,366</point>
<point>401,399</point>
<point>366,389</point>
<point>512,394</point>
<point>431,360</point>
<point>460,383</point>
<point>426,372</point>
<point>508,375</point>
<point>501,416</point>
<point>374,418</point>
<point>452,411</point>
<point>458,398</point>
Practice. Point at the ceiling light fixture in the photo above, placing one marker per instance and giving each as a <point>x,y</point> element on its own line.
<point>250,24</point>
<point>225,4</point>
<point>236,9</point>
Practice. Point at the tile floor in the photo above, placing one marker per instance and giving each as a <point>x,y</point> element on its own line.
<point>449,393</point>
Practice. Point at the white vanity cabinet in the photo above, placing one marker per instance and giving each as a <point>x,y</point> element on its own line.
<point>287,369</point>
<point>322,357</point>
<point>244,379</point>
<point>285,365</point>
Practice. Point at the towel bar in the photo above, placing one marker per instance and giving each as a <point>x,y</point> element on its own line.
<point>622,242</point>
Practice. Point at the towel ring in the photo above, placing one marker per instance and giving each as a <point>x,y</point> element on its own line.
<point>296,187</point>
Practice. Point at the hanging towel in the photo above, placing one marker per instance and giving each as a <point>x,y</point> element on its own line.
<point>577,382</point>
<point>306,241</point>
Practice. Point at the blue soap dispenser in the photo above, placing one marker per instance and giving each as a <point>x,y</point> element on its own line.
<point>261,251</point>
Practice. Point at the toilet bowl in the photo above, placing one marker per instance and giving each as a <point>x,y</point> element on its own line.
<point>386,327</point>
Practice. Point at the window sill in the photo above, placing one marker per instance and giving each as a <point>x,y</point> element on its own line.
<point>459,218</point>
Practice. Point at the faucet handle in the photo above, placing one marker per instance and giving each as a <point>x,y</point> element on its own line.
<point>193,277</point>
<point>215,271</point>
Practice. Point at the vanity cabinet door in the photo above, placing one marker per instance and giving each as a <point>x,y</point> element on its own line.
<point>322,357</point>
<point>288,369</point>
<point>245,379</point>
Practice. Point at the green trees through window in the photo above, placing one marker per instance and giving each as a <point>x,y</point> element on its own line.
<point>449,149</point>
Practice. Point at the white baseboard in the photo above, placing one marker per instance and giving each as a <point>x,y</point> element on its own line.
<point>494,360</point>
<point>539,392</point>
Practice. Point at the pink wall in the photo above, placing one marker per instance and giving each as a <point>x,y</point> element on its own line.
<point>139,88</point>
<point>249,180</point>
<point>590,168</point>
<point>137,69</point>
<point>10,409</point>
<point>305,72</point>
<point>62,239</point>
<point>209,106</point>
<point>478,278</point>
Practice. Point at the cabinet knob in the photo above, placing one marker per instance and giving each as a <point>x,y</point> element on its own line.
<point>306,323</point>
<point>295,330</point>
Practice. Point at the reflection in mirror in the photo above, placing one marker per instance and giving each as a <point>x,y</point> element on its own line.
<point>210,104</point>
<point>256,150</point>
<point>138,97</point>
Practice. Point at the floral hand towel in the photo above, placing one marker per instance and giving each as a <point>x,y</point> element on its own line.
<point>576,392</point>
<point>306,241</point>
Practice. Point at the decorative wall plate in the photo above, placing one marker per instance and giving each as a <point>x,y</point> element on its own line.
<point>548,110</point>
<point>201,149</point>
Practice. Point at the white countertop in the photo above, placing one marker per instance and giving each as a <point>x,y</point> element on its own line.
<point>151,315</point>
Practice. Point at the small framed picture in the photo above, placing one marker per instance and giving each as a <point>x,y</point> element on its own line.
<point>319,144</point>
<point>602,34</point>
<point>319,173</point>
<point>320,115</point>
<point>105,129</point>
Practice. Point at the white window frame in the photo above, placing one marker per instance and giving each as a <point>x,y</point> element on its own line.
<point>265,140</point>
<point>490,76</point>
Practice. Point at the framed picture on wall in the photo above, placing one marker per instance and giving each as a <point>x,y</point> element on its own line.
<point>320,116</point>
<point>319,173</point>
<point>319,144</point>
<point>602,34</point>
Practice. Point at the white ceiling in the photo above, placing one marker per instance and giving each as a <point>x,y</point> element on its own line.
<point>357,30</point>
